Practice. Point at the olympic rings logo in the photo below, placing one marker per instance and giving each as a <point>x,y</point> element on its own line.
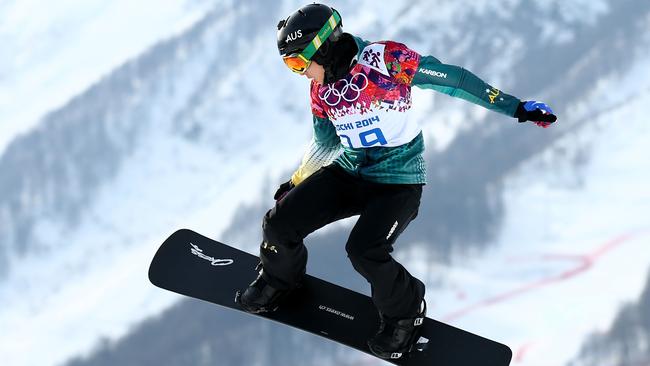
<point>343,89</point>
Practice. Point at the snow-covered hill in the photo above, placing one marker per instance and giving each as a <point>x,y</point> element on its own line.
<point>574,244</point>
<point>207,121</point>
<point>52,51</point>
<point>625,341</point>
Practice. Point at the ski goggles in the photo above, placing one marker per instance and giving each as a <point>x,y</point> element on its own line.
<point>299,62</point>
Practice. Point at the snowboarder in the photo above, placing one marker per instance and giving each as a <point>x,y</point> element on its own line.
<point>365,159</point>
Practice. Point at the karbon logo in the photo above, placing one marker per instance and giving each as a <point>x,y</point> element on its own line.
<point>214,261</point>
<point>433,73</point>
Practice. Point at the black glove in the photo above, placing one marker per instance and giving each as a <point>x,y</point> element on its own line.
<point>537,112</point>
<point>283,190</point>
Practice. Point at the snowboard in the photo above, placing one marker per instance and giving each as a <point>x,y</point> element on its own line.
<point>193,265</point>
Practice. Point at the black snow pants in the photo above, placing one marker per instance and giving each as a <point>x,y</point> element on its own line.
<point>331,194</point>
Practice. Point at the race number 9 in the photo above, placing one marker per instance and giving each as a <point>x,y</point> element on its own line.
<point>378,137</point>
<point>368,138</point>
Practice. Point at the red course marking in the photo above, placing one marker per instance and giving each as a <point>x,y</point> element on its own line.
<point>585,262</point>
<point>521,352</point>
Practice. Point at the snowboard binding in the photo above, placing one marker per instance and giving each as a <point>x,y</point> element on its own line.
<point>260,296</point>
<point>396,338</point>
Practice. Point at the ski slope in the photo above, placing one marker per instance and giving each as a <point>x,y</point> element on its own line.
<point>575,241</point>
<point>72,304</point>
<point>572,233</point>
<point>52,51</point>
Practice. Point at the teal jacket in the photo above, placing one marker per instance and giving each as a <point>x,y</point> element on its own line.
<point>389,71</point>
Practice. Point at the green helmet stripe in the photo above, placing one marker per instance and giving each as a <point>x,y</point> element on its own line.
<point>324,32</point>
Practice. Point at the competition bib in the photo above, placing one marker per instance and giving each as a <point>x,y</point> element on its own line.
<point>369,107</point>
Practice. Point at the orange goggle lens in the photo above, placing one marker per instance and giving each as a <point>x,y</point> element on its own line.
<point>297,63</point>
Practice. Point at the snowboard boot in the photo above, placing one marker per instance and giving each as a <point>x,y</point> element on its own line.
<point>397,336</point>
<point>260,297</point>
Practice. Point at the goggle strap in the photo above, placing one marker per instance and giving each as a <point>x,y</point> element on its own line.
<point>324,32</point>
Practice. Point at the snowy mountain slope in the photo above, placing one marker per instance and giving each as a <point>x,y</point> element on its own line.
<point>18,229</point>
<point>542,273</point>
<point>84,144</point>
<point>626,341</point>
<point>54,51</point>
<point>574,240</point>
<point>98,236</point>
<point>160,146</point>
<point>574,244</point>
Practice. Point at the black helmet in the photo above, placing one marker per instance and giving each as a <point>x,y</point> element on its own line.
<point>297,31</point>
